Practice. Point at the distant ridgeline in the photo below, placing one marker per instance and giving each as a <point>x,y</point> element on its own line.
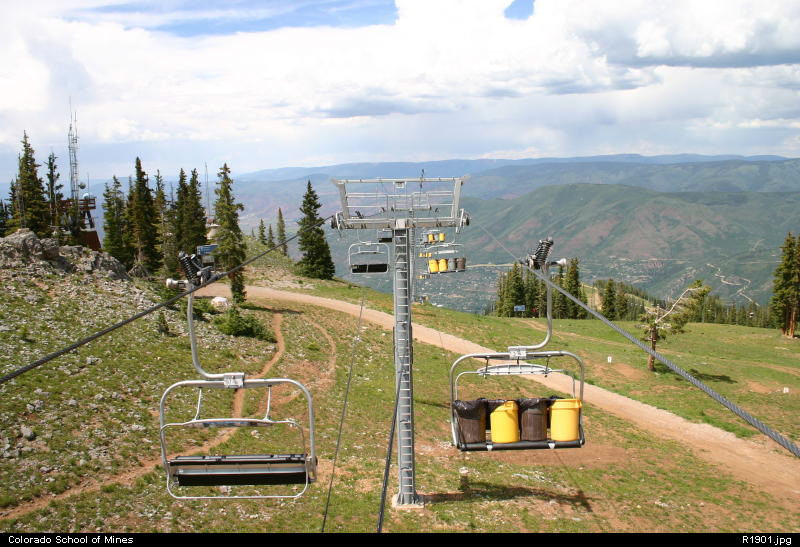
<point>653,222</point>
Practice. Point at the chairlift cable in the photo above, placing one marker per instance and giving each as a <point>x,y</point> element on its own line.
<point>356,340</point>
<point>107,330</point>
<point>733,407</point>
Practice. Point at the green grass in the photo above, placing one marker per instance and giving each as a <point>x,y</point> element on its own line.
<point>623,480</point>
<point>749,366</point>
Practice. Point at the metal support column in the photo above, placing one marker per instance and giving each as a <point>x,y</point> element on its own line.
<point>402,363</point>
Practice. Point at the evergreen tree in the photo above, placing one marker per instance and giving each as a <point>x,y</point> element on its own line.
<point>574,287</point>
<point>262,235</point>
<point>531,285</point>
<point>193,230</point>
<point>316,261</point>
<point>170,247</point>
<point>610,301</point>
<point>621,304</point>
<point>180,203</point>
<point>785,302</point>
<point>282,232</point>
<point>54,194</point>
<point>270,238</point>
<point>515,290</point>
<point>231,250</point>
<point>29,207</point>
<point>114,224</point>
<point>142,219</point>
<point>5,214</point>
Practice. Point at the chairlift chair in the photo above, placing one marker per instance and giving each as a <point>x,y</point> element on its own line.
<point>469,419</point>
<point>292,469</point>
<point>366,258</point>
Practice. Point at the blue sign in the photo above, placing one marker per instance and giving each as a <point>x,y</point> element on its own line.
<point>519,308</point>
<point>206,249</point>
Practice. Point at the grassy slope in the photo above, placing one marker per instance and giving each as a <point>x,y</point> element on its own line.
<point>624,481</point>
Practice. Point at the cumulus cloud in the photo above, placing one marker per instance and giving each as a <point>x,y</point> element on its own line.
<point>576,76</point>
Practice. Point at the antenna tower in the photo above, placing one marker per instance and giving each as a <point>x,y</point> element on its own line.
<point>73,156</point>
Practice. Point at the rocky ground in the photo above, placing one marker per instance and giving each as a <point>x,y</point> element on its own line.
<point>93,411</point>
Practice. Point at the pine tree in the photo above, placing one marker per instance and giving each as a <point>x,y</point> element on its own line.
<point>785,302</point>
<point>5,214</point>
<point>262,235</point>
<point>610,301</point>
<point>54,194</point>
<point>29,207</point>
<point>316,261</point>
<point>142,223</point>
<point>231,250</point>
<point>193,230</point>
<point>531,284</point>
<point>574,287</point>
<point>114,224</point>
<point>514,290</point>
<point>270,238</point>
<point>170,244</point>
<point>282,232</point>
<point>621,304</point>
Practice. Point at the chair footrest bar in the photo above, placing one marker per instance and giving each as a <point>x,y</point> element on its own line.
<point>519,445</point>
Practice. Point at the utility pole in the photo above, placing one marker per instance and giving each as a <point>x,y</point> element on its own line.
<point>401,205</point>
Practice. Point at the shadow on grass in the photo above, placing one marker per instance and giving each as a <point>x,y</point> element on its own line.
<point>712,377</point>
<point>702,376</point>
<point>256,307</point>
<point>479,490</point>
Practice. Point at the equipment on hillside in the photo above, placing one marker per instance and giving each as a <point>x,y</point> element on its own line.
<point>256,468</point>
<point>526,423</point>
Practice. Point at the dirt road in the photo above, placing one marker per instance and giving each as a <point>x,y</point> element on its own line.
<point>757,462</point>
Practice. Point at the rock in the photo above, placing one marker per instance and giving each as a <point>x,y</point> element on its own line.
<point>92,360</point>
<point>23,250</point>
<point>27,433</point>
<point>220,303</point>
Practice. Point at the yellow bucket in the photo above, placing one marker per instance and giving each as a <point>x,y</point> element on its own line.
<point>433,266</point>
<point>504,422</point>
<point>564,418</point>
<point>442,264</point>
<point>441,236</point>
<point>430,238</point>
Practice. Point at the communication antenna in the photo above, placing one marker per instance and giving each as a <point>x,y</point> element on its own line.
<point>72,140</point>
<point>208,198</point>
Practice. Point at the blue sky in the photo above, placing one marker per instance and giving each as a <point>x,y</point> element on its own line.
<point>300,83</point>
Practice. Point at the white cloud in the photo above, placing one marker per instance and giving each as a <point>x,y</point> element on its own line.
<point>449,78</point>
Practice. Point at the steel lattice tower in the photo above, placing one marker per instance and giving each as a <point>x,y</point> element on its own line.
<point>396,205</point>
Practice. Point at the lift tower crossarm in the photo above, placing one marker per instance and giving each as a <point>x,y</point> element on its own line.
<point>424,202</point>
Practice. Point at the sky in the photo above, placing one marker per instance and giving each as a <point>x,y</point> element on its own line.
<point>276,83</point>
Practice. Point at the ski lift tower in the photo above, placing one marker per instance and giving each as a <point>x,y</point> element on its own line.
<point>401,205</point>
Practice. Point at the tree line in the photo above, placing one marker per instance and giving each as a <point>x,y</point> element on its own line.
<point>37,205</point>
<point>521,289</point>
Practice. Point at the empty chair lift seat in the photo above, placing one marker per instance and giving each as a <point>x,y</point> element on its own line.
<point>255,469</point>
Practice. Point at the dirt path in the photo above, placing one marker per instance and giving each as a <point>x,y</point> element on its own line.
<point>757,463</point>
<point>147,465</point>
